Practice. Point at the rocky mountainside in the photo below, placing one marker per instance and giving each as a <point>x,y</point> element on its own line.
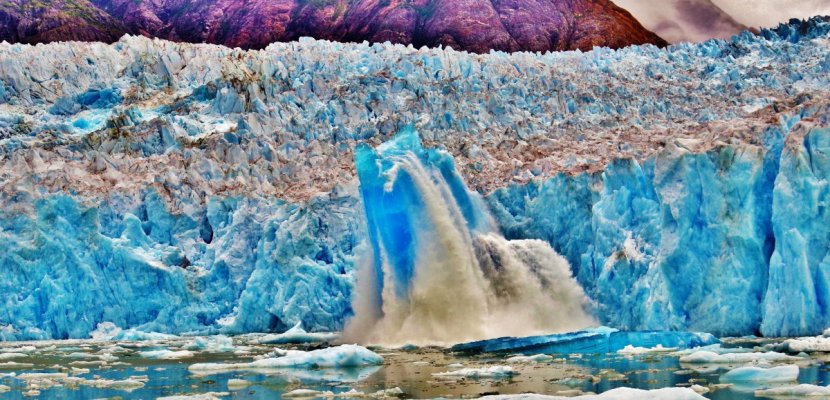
<point>35,21</point>
<point>472,25</point>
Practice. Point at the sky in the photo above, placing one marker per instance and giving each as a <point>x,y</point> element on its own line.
<point>697,20</point>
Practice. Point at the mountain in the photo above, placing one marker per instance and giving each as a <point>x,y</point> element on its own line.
<point>685,20</point>
<point>197,188</point>
<point>472,25</point>
<point>38,21</point>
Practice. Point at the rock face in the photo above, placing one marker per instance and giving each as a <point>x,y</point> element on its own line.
<point>472,25</point>
<point>35,21</point>
<point>197,188</point>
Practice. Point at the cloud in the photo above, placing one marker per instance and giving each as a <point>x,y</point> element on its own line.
<point>698,20</point>
<point>769,13</point>
<point>684,20</point>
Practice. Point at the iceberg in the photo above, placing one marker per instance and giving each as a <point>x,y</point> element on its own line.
<point>785,373</point>
<point>593,341</point>
<point>297,335</point>
<point>343,356</point>
<point>613,394</point>
<point>803,390</point>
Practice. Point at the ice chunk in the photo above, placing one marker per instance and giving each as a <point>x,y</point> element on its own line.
<point>238,384</point>
<point>708,357</point>
<point>332,357</point>
<point>297,335</point>
<point>213,344</point>
<point>198,396</point>
<point>784,373</point>
<point>631,350</point>
<point>599,340</point>
<point>803,344</point>
<point>803,390</point>
<point>614,394</point>
<point>496,371</point>
<point>530,359</point>
<point>166,354</point>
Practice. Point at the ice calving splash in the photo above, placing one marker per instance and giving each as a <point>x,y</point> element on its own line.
<point>439,271</point>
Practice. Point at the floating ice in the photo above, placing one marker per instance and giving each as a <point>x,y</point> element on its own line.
<point>333,357</point>
<point>614,394</point>
<point>530,359</point>
<point>496,371</point>
<point>784,373</point>
<point>708,357</point>
<point>632,350</point>
<point>213,344</point>
<point>166,354</point>
<point>803,344</point>
<point>803,390</point>
<point>298,335</point>
<point>598,340</point>
<point>198,396</point>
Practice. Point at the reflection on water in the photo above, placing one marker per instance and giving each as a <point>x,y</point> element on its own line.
<point>89,369</point>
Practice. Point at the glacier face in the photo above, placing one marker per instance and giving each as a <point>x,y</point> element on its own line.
<point>195,188</point>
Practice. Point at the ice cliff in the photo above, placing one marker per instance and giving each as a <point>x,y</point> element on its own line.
<point>195,188</point>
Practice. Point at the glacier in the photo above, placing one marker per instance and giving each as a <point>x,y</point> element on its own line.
<point>198,189</point>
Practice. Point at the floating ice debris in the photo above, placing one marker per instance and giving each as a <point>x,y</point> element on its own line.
<point>309,393</point>
<point>213,344</point>
<point>708,357</point>
<point>198,396</point>
<point>332,357</point>
<point>803,390</point>
<point>699,389</point>
<point>166,354</point>
<point>631,350</point>
<point>592,341</point>
<point>785,373</point>
<point>297,335</point>
<point>237,384</point>
<point>497,371</point>
<point>9,356</point>
<point>802,344</point>
<point>530,359</point>
<point>614,394</point>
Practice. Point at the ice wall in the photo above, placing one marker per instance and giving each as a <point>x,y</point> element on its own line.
<point>729,241</point>
<point>195,188</point>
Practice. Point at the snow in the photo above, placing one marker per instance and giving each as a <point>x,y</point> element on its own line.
<point>784,373</point>
<point>614,394</point>
<point>708,357</point>
<point>496,371</point>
